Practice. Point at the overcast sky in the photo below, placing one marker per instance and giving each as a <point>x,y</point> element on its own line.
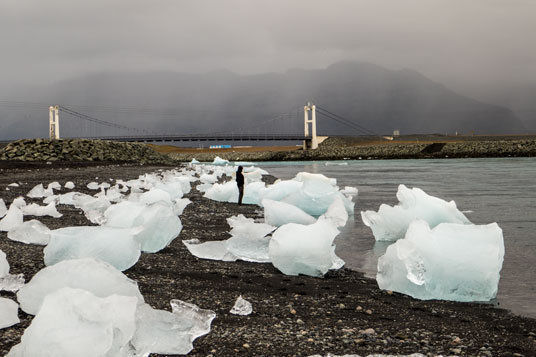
<point>461,43</point>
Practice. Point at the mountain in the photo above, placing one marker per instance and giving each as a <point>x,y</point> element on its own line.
<point>373,97</point>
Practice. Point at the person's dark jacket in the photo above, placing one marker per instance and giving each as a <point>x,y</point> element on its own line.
<point>239,179</point>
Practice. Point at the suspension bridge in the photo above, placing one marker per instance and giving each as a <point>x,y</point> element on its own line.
<point>278,128</point>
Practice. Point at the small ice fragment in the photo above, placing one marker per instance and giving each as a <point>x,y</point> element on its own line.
<point>4,265</point>
<point>9,313</point>
<point>14,184</point>
<point>200,318</point>
<point>19,202</point>
<point>242,307</point>
<point>37,191</point>
<point>12,219</point>
<point>93,186</point>
<point>3,208</point>
<point>69,185</point>
<point>54,186</point>
<point>11,282</point>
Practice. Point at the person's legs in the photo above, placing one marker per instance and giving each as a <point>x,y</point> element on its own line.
<point>240,194</point>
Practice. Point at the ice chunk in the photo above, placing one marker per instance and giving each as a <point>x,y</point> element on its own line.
<point>304,249</point>
<point>4,265</point>
<point>248,239</point>
<point>241,307</point>
<point>449,262</point>
<point>30,232</point>
<point>243,163</point>
<point>93,275</point>
<point>349,191</point>
<point>159,331</point>
<point>37,191</point>
<point>116,246</point>
<point>93,186</point>
<point>337,212</point>
<point>12,219</point>
<point>14,184</point>
<point>158,224</point>
<point>391,223</point>
<point>69,185</point>
<point>201,319</point>
<point>19,202</point>
<point>224,192</point>
<point>194,161</point>
<point>180,204</point>
<point>219,161</point>
<point>155,195</point>
<point>11,282</point>
<point>74,322</point>
<point>9,313</point>
<point>3,208</point>
<point>279,213</point>
<point>281,189</point>
<point>93,207</point>
<point>206,178</point>
<point>54,186</point>
<point>34,209</point>
<point>213,250</point>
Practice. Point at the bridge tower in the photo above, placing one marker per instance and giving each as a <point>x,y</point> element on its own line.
<point>54,122</point>
<point>311,143</point>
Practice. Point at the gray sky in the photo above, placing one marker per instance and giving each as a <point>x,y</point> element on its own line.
<point>466,44</point>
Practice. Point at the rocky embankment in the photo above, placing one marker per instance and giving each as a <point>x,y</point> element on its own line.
<point>344,148</point>
<point>81,150</point>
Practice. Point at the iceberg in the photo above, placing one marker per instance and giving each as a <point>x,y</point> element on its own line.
<point>449,262</point>
<point>280,213</point>
<point>12,219</point>
<point>157,224</point>
<point>74,322</point>
<point>90,274</point>
<point>241,307</point>
<point>30,232</point>
<point>194,162</point>
<point>9,313</point>
<point>391,223</point>
<point>219,161</point>
<point>116,246</point>
<point>305,249</point>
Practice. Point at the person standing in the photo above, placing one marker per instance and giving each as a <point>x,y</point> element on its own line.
<point>240,184</point>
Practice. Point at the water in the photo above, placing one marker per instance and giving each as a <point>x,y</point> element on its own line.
<point>499,190</point>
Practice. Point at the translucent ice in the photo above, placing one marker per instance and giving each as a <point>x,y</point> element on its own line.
<point>194,162</point>
<point>337,212</point>
<point>180,204</point>
<point>159,331</point>
<point>30,232</point>
<point>391,223</point>
<point>74,322</point>
<point>116,246</point>
<point>248,239</point>
<point>34,209</point>
<point>93,207</point>
<point>155,195</point>
<point>12,219</point>
<point>213,250</point>
<point>449,262</point>
<point>224,192</point>
<point>241,307</point>
<point>93,275</point>
<point>3,208</point>
<point>157,223</point>
<point>9,313</point>
<point>279,213</point>
<point>304,249</point>
<point>200,318</point>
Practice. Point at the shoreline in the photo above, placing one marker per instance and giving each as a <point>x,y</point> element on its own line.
<point>292,315</point>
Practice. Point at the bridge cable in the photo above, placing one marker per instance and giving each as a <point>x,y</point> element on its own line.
<point>345,121</point>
